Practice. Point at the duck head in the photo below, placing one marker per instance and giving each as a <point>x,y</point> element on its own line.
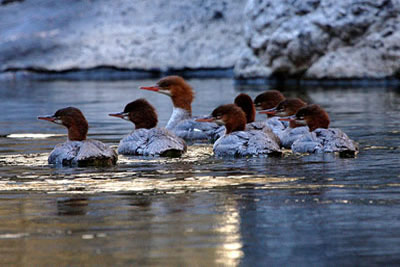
<point>177,88</point>
<point>312,115</point>
<point>73,119</point>
<point>268,100</point>
<point>287,107</point>
<point>139,112</point>
<point>229,115</point>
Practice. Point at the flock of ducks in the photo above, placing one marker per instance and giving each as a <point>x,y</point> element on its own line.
<point>290,123</point>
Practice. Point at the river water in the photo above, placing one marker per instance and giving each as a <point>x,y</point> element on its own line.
<point>197,210</point>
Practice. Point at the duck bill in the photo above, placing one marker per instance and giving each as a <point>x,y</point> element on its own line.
<point>151,88</point>
<point>49,118</point>
<point>271,111</point>
<point>118,115</point>
<point>206,119</point>
<point>290,118</point>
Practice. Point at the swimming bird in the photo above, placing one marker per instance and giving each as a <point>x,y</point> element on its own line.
<point>266,101</point>
<point>181,121</point>
<point>288,107</point>
<point>78,150</point>
<point>245,102</point>
<point>146,139</point>
<point>236,141</point>
<point>320,138</point>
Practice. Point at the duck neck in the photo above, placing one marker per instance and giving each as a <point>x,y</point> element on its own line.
<point>77,134</point>
<point>183,103</point>
<point>294,124</point>
<point>235,124</point>
<point>230,128</point>
<point>178,115</point>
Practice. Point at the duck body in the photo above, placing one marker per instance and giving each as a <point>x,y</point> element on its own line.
<point>236,140</point>
<point>320,138</point>
<point>83,153</point>
<point>184,126</point>
<point>246,144</point>
<point>271,124</point>
<point>152,142</point>
<point>78,151</point>
<point>329,140</point>
<point>147,139</point>
<point>289,135</point>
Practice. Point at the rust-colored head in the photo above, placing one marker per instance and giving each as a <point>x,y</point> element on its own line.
<point>140,112</point>
<point>245,102</point>
<point>177,88</point>
<point>268,99</point>
<point>288,107</point>
<point>73,119</point>
<point>231,116</point>
<point>314,116</point>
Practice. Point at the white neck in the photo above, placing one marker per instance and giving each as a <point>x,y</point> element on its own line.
<point>178,115</point>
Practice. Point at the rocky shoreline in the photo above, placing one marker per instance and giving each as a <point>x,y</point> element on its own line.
<point>251,41</point>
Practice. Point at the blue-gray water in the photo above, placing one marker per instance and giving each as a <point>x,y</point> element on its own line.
<point>198,210</point>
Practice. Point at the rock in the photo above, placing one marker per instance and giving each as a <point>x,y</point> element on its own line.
<point>46,35</point>
<point>321,39</point>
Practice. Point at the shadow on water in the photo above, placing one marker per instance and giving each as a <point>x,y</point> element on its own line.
<point>298,209</point>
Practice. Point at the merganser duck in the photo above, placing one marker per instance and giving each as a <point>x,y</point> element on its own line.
<point>268,99</point>
<point>265,101</point>
<point>286,108</point>
<point>321,138</point>
<point>245,102</point>
<point>237,142</point>
<point>78,150</point>
<point>147,140</point>
<point>181,122</point>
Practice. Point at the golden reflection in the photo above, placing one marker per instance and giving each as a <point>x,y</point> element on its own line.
<point>84,183</point>
<point>33,135</point>
<point>375,147</point>
<point>230,251</point>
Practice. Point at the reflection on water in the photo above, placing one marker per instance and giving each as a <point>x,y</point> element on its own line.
<point>299,209</point>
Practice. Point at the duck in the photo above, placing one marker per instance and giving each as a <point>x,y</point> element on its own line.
<point>245,102</point>
<point>146,139</point>
<point>266,101</point>
<point>236,142</point>
<point>320,138</point>
<point>78,150</point>
<point>286,108</point>
<point>181,122</point>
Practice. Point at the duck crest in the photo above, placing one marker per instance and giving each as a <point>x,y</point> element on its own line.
<point>245,102</point>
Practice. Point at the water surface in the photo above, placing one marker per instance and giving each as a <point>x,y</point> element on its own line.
<point>298,210</point>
